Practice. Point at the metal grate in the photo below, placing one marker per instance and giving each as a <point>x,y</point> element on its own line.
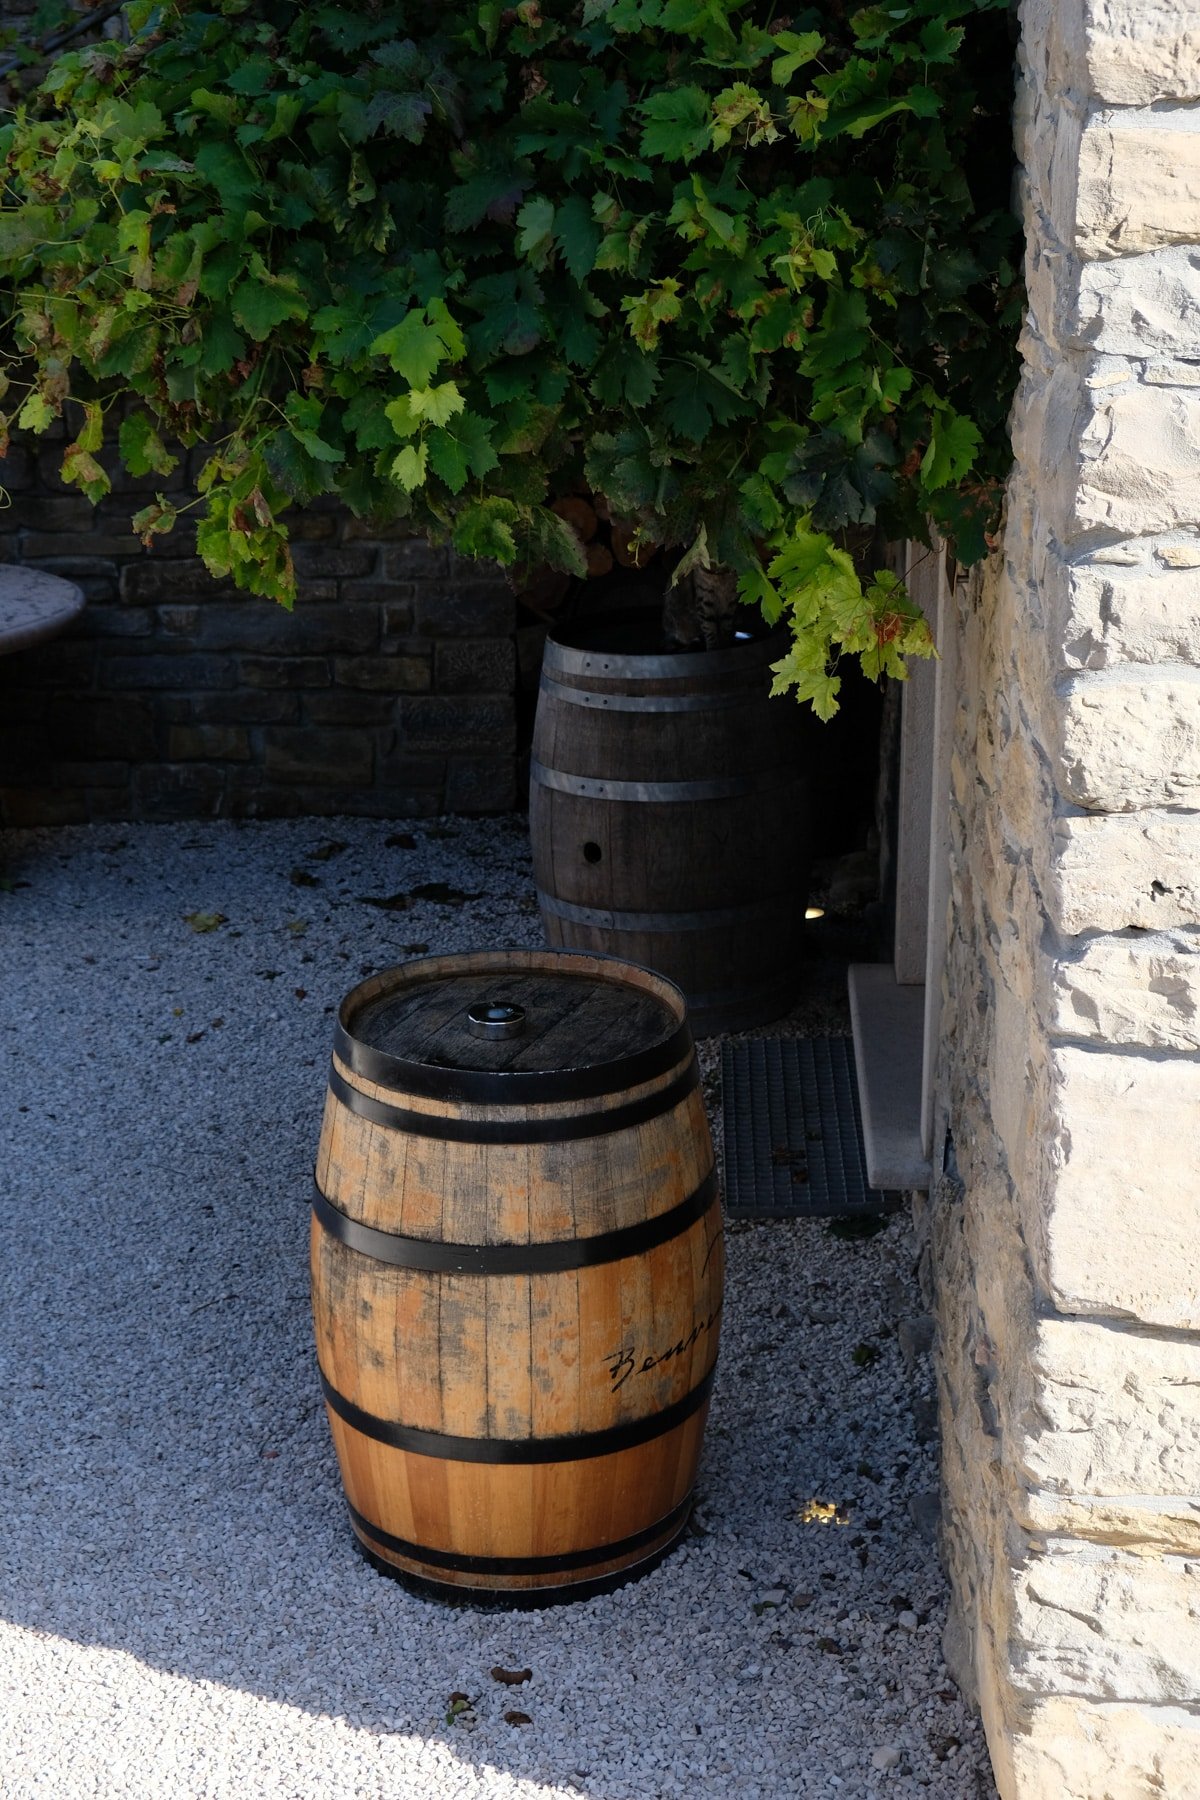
<point>793,1132</point>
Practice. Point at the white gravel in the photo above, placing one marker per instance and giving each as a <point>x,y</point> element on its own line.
<point>182,1612</point>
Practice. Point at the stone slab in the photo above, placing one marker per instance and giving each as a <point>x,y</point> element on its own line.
<point>1117,1218</point>
<point>1136,54</point>
<point>35,606</point>
<point>1130,741</point>
<point>1107,1625</point>
<point>1139,460</point>
<point>1100,1410</point>
<point>1141,1522</point>
<point>1140,870</point>
<point>1147,305</point>
<point>1104,616</point>
<point>889,1037</point>
<point>1138,184</point>
<point>1077,1750</point>
<point>1130,988</point>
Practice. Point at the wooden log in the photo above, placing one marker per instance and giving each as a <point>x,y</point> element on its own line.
<point>578,514</point>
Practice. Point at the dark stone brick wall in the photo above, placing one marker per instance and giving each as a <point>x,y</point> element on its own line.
<point>389,691</point>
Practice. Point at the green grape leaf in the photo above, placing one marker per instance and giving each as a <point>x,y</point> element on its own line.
<point>809,680</point>
<point>142,450</point>
<point>425,338</point>
<point>436,404</point>
<point>761,502</point>
<point>409,468</point>
<point>549,539</point>
<point>222,345</point>
<point>80,469</point>
<point>953,442</point>
<point>24,232</point>
<point>649,311</point>
<point>260,305</point>
<point>577,235</point>
<point>677,124</point>
<point>799,49</point>
<point>693,397</point>
<point>155,520</point>
<point>535,229</point>
<point>625,375</point>
<point>485,529</point>
<point>461,450</point>
<point>495,195</point>
<point>36,414</point>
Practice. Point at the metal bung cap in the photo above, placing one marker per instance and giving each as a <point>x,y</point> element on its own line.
<point>495,1019</point>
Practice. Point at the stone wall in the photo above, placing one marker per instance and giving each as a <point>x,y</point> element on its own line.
<point>1065,1232</point>
<point>389,691</point>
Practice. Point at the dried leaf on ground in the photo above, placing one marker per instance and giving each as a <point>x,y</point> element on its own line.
<point>511,1677</point>
<point>201,922</point>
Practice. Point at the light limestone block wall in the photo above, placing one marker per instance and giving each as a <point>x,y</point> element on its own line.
<point>1065,1235</point>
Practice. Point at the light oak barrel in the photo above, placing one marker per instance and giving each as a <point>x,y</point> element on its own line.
<point>669,814</point>
<point>517,1271</point>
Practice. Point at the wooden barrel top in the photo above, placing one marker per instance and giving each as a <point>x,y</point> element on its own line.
<point>35,605</point>
<point>593,1022</point>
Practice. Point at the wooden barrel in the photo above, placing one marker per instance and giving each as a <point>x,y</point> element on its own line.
<point>516,1270</point>
<point>668,809</point>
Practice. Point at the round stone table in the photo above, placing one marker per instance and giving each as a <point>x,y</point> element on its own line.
<point>34,605</point>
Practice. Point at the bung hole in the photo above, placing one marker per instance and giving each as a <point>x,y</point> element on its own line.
<point>592,852</point>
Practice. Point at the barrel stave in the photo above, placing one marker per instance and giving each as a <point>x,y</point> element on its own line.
<point>521,1513</point>
<point>413,1347</point>
<point>475,1193</point>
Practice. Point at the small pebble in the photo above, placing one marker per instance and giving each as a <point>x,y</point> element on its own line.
<point>888,1756</point>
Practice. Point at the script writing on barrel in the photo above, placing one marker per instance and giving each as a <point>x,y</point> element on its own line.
<point>631,1359</point>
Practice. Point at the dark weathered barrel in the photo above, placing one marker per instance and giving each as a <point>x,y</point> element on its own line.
<point>669,814</point>
<point>516,1270</point>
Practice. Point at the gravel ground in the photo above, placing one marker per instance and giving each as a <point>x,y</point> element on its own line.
<point>181,1609</point>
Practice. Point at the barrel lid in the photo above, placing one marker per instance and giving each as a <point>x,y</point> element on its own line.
<point>513,1026</point>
